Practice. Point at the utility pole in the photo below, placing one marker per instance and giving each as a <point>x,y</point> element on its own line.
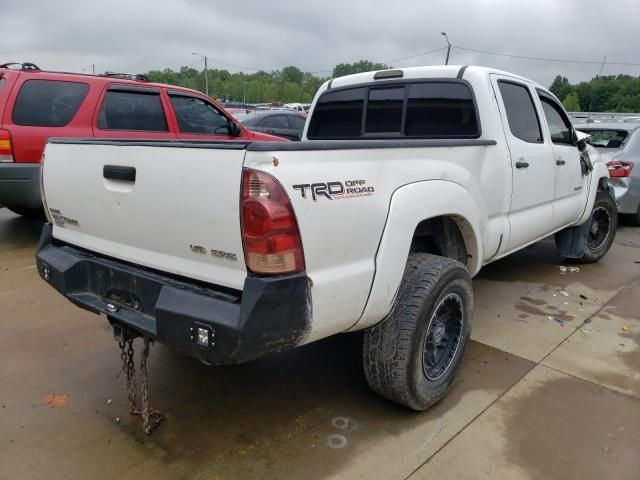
<point>444,34</point>
<point>244,92</point>
<point>206,73</point>
<point>604,60</point>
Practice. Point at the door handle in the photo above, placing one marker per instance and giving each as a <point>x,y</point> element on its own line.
<point>119,172</point>
<point>560,162</point>
<point>522,164</point>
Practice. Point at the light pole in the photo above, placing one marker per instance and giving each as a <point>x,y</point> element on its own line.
<point>444,34</point>
<point>244,92</point>
<point>206,76</point>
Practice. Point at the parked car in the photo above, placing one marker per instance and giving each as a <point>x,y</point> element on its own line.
<point>36,105</point>
<point>411,181</point>
<point>619,144</point>
<point>285,124</point>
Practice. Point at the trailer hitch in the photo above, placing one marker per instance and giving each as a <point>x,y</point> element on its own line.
<point>125,337</point>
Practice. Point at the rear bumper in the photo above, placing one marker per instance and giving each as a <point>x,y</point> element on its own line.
<point>269,315</point>
<point>20,185</point>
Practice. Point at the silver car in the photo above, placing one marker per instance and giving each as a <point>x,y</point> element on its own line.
<point>619,143</point>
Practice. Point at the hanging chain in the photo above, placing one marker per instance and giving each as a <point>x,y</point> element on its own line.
<point>150,418</point>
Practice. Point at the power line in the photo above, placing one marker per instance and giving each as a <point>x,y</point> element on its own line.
<point>415,55</point>
<point>543,59</point>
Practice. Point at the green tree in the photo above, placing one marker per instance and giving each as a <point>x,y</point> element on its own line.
<point>571,102</point>
<point>358,67</point>
<point>561,87</point>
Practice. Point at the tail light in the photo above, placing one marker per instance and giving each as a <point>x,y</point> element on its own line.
<point>620,168</point>
<point>6,154</point>
<point>270,232</point>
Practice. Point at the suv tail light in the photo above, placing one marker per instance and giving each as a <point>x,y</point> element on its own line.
<point>270,234</point>
<point>619,168</point>
<point>6,153</point>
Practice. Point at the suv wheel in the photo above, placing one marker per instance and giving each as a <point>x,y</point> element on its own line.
<point>412,357</point>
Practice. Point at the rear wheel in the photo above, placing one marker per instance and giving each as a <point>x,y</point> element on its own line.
<point>412,357</point>
<point>604,223</point>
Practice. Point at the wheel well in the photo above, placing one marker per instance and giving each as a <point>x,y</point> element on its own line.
<point>442,236</point>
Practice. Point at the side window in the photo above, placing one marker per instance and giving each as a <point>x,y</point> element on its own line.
<point>559,126</point>
<point>521,112</point>
<point>441,109</point>
<point>338,115</point>
<point>197,116</point>
<point>384,110</point>
<point>2,82</point>
<point>129,110</point>
<point>276,121</point>
<point>48,103</point>
<point>297,122</point>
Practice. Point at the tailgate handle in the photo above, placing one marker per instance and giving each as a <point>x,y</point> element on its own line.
<point>119,172</point>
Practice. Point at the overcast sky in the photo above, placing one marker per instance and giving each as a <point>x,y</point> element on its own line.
<point>139,35</point>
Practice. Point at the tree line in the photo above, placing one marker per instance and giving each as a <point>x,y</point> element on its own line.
<point>610,93</point>
<point>286,86</point>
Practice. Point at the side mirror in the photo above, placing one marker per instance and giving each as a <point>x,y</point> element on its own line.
<point>234,129</point>
<point>581,139</point>
<point>582,144</point>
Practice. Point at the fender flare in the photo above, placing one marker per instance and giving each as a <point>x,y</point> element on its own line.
<point>410,205</point>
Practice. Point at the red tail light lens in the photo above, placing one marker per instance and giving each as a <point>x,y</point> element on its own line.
<point>270,232</point>
<point>6,154</point>
<point>620,168</point>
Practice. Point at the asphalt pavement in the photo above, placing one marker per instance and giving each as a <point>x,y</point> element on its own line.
<point>549,389</point>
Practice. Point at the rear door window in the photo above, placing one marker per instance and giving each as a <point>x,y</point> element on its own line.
<point>196,116</point>
<point>48,103</point>
<point>338,115</point>
<point>521,112</point>
<point>132,110</point>
<point>441,109</point>
<point>297,122</point>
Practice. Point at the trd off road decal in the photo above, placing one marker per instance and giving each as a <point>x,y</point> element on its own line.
<point>335,190</point>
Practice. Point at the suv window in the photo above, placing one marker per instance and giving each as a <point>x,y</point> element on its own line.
<point>338,114</point>
<point>521,112</point>
<point>197,116</point>
<point>129,110</point>
<point>384,110</point>
<point>441,109</point>
<point>559,126</point>
<point>48,103</point>
<point>276,121</point>
<point>297,122</point>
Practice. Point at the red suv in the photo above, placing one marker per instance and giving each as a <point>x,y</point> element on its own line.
<point>36,105</point>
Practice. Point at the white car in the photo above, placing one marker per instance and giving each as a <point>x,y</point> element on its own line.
<point>405,184</point>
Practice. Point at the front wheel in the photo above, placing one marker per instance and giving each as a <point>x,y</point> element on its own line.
<point>412,357</point>
<point>602,232</point>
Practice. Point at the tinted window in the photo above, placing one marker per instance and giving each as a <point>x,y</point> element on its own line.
<point>276,121</point>
<point>48,103</point>
<point>521,113</point>
<point>338,115</point>
<point>440,110</point>
<point>297,122</point>
<point>606,138</point>
<point>197,116</point>
<point>384,110</point>
<point>559,128</point>
<point>2,82</point>
<point>123,110</point>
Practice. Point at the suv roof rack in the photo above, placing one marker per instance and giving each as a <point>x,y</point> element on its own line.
<point>21,66</point>
<point>126,76</point>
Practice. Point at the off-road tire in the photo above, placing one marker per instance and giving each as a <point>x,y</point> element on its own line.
<point>393,349</point>
<point>595,251</point>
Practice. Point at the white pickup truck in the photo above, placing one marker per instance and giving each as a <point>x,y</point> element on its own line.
<point>405,184</point>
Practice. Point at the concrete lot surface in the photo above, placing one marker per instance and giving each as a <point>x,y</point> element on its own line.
<point>549,389</point>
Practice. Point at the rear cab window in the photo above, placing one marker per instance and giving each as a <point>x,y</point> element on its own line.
<point>421,109</point>
<point>196,116</point>
<point>48,103</point>
<point>133,109</point>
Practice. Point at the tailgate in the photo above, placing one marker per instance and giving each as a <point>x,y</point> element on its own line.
<point>179,215</point>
